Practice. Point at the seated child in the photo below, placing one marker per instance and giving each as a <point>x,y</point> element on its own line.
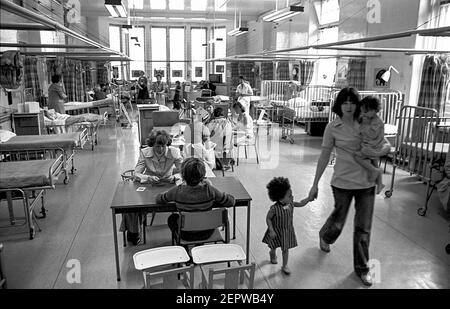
<point>374,144</point>
<point>196,194</point>
<point>280,229</point>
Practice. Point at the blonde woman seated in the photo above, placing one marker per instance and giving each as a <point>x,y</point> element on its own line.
<point>244,125</point>
<point>157,164</point>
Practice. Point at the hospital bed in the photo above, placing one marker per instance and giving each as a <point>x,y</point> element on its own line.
<point>74,108</point>
<point>37,147</point>
<point>68,123</point>
<point>422,144</point>
<point>28,181</point>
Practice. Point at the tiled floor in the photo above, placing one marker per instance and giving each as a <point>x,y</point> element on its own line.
<point>409,248</point>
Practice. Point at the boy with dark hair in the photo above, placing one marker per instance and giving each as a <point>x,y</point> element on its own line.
<point>196,194</point>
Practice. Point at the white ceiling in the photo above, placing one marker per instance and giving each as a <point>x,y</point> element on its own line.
<point>250,9</point>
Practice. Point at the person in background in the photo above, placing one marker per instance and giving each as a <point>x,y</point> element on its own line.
<point>159,89</point>
<point>195,194</point>
<point>177,96</point>
<point>98,93</point>
<point>156,164</point>
<point>244,124</point>
<point>56,95</point>
<point>243,91</point>
<point>142,88</point>
<point>221,132</point>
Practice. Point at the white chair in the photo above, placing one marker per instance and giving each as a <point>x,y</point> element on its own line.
<point>149,261</point>
<point>223,253</point>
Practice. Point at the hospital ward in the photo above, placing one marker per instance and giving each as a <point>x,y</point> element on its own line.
<point>259,145</point>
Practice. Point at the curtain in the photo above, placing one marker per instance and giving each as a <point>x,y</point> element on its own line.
<point>73,80</point>
<point>87,74</point>
<point>434,83</point>
<point>102,74</point>
<point>267,70</point>
<point>356,76</point>
<point>31,77</point>
<point>283,70</point>
<point>306,71</point>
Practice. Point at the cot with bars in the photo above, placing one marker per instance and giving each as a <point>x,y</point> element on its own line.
<point>422,144</point>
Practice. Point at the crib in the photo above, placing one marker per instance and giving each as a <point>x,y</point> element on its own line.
<point>422,144</point>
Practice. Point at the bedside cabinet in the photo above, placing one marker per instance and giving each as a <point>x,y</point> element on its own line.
<point>29,123</point>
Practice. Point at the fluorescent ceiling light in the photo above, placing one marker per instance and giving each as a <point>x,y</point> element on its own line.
<point>116,8</point>
<point>285,13</point>
<point>238,31</point>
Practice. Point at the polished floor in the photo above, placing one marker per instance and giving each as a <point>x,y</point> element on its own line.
<point>407,249</point>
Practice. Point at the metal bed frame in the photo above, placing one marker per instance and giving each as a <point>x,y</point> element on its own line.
<point>3,284</point>
<point>420,148</point>
<point>29,202</point>
<point>46,152</point>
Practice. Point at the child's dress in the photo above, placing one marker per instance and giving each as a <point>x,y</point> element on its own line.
<point>374,144</point>
<point>282,221</point>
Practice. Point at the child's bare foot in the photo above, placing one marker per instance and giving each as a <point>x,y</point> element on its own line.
<point>374,175</point>
<point>380,188</point>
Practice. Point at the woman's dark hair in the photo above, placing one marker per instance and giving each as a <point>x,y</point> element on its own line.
<point>239,104</point>
<point>350,94</point>
<point>159,138</point>
<point>241,77</point>
<point>56,79</point>
<point>371,103</point>
<point>218,111</point>
<point>193,171</point>
<point>277,188</point>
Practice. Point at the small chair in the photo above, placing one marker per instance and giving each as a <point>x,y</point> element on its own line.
<point>221,253</point>
<point>248,142</point>
<point>260,122</point>
<point>200,221</point>
<point>148,260</point>
<point>129,176</point>
<point>2,271</point>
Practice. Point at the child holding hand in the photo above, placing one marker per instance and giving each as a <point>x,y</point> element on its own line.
<point>280,232</point>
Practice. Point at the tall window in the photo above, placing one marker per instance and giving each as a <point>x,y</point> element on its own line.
<point>220,5</point>
<point>443,21</point>
<point>328,11</point>
<point>51,37</point>
<point>115,37</point>
<point>326,68</point>
<point>177,53</point>
<point>220,51</point>
<point>176,4</point>
<point>8,36</point>
<point>137,51</point>
<point>199,5</point>
<point>136,4</point>
<point>159,52</point>
<point>198,52</point>
<point>158,4</point>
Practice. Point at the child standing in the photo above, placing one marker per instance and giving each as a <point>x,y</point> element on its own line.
<point>280,231</point>
<point>374,145</point>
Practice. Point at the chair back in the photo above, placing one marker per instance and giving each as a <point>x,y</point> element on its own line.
<point>203,220</point>
<point>234,277</point>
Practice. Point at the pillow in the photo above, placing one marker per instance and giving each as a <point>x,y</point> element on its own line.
<point>390,129</point>
<point>6,135</point>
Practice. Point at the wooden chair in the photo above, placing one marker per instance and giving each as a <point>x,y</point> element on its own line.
<point>200,221</point>
<point>129,176</point>
<point>2,270</point>
<point>152,260</point>
<point>221,253</point>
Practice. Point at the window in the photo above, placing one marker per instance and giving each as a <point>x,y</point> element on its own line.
<point>199,5</point>
<point>220,51</point>
<point>176,4</point>
<point>8,36</point>
<point>159,52</point>
<point>115,37</point>
<point>326,68</point>
<point>158,4</point>
<point>136,4</point>
<point>328,11</point>
<point>137,49</point>
<point>176,43</point>
<point>443,21</point>
<point>198,52</point>
<point>51,37</point>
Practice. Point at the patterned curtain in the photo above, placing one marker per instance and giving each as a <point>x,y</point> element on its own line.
<point>306,71</point>
<point>434,84</point>
<point>31,77</point>
<point>102,73</point>
<point>283,70</point>
<point>88,75</point>
<point>267,71</point>
<point>73,80</point>
<point>356,75</point>
<point>54,67</point>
